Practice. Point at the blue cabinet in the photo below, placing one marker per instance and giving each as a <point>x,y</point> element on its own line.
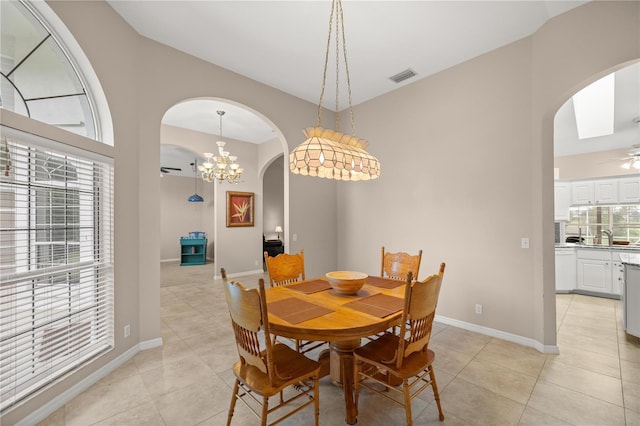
<point>193,251</point>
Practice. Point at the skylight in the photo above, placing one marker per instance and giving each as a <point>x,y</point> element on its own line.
<point>593,107</point>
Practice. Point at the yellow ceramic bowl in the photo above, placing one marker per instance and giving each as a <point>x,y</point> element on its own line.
<point>346,282</point>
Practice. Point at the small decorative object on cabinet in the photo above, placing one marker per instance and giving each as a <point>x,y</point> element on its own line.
<point>193,251</point>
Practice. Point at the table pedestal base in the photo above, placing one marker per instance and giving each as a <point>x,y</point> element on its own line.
<point>342,370</point>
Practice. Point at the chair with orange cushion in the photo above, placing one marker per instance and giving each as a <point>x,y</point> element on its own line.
<point>265,369</point>
<point>405,356</point>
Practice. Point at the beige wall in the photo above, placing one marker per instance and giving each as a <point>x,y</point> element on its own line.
<point>273,184</point>
<point>178,217</point>
<point>594,164</point>
<point>467,167</point>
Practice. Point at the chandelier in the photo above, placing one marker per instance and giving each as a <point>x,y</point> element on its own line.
<point>329,153</point>
<point>223,166</point>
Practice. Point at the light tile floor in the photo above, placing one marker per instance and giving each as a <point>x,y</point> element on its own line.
<point>482,380</point>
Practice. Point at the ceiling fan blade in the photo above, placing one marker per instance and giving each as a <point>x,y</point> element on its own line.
<point>167,169</point>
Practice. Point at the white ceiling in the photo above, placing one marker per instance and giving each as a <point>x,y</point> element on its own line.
<point>626,110</point>
<point>282,44</point>
<point>237,122</point>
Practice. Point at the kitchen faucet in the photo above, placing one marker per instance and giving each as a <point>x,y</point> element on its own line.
<point>609,235</point>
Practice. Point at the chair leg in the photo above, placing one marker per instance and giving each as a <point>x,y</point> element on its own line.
<point>316,399</point>
<point>265,411</point>
<point>436,395</point>
<point>233,401</point>
<point>407,401</point>
<point>356,383</point>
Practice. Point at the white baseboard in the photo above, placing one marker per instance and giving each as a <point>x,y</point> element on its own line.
<point>150,344</point>
<point>59,401</point>
<point>170,260</point>
<point>509,337</point>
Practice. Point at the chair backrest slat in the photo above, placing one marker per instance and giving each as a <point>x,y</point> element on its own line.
<point>247,309</point>
<point>397,265</point>
<point>285,268</point>
<point>421,300</point>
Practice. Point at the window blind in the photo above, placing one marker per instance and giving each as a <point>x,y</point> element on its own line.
<point>56,262</point>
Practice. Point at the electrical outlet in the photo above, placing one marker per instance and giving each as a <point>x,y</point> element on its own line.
<point>127,331</point>
<point>478,309</point>
<point>524,242</point>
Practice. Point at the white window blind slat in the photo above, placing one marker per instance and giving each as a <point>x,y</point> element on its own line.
<point>56,264</point>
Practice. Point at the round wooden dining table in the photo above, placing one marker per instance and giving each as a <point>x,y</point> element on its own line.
<point>338,322</point>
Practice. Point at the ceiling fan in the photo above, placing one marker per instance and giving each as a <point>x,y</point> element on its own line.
<point>169,169</point>
<point>633,159</point>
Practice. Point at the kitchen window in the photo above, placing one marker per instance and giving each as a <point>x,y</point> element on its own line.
<point>590,221</point>
<point>56,262</point>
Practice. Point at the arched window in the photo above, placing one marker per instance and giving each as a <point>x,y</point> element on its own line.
<point>38,77</point>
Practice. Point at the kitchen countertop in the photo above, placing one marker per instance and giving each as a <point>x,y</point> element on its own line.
<point>631,248</point>
<point>630,258</point>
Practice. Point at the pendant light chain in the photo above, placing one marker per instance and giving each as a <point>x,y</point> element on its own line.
<point>346,67</point>
<point>338,13</point>
<point>329,153</point>
<point>326,62</point>
<point>220,114</point>
<point>338,23</point>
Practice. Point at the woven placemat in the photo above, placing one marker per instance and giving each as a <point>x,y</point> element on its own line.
<point>294,310</point>
<point>379,305</point>
<point>309,287</point>
<point>384,282</point>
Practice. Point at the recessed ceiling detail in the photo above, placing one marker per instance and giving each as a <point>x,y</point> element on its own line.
<point>593,108</point>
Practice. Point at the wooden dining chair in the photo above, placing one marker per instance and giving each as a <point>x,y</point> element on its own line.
<point>405,356</point>
<point>397,265</point>
<point>266,369</point>
<point>285,269</point>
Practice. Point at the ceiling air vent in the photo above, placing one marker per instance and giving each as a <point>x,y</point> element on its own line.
<point>403,75</point>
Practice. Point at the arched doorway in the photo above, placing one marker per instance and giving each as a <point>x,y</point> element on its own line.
<point>591,157</point>
<point>195,126</point>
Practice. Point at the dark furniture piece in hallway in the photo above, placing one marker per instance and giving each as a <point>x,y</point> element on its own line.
<point>273,247</point>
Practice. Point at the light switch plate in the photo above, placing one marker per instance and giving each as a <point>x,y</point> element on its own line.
<point>524,243</point>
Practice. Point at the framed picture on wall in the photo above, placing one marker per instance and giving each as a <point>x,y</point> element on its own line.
<point>239,208</point>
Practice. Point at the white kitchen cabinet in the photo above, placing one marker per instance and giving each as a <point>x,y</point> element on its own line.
<point>617,272</point>
<point>565,269</point>
<point>582,192</point>
<point>617,277</point>
<point>629,189</point>
<point>562,198</point>
<point>605,191</point>
<point>594,271</point>
<point>631,300</point>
